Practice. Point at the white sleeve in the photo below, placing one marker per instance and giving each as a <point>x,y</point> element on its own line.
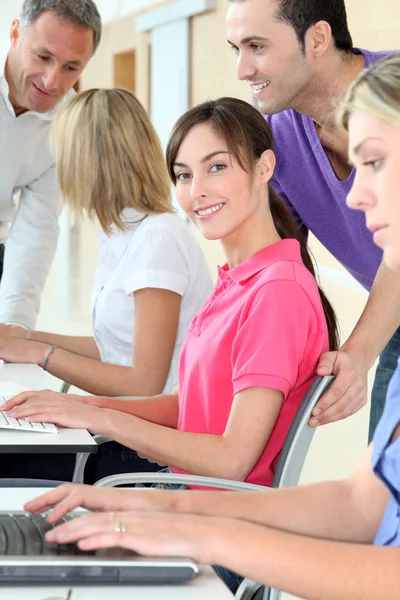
<point>157,259</point>
<point>30,249</point>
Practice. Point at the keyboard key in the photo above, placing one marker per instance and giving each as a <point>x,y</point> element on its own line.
<point>15,540</point>
<point>3,541</point>
<point>50,426</point>
<point>38,426</point>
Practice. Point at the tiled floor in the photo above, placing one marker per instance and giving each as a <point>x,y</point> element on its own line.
<point>65,309</point>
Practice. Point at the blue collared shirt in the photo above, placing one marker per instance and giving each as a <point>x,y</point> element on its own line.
<point>386,463</point>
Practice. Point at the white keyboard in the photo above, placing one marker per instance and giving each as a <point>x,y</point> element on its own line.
<point>7,422</point>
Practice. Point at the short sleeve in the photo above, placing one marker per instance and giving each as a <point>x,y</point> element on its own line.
<point>159,259</point>
<point>272,337</point>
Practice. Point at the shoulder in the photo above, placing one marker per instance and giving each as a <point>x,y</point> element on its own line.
<point>165,226</point>
<point>169,235</point>
<point>372,57</point>
<point>287,284</point>
<point>290,132</point>
<point>284,122</point>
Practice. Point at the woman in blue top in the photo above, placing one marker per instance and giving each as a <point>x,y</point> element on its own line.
<point>317,541</point>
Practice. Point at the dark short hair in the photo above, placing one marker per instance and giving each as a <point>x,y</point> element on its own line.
<point>303,14</point>
<point>83,13</point>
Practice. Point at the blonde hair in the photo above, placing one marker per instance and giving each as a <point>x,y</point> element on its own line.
<point>375,91</point>
<point>109,157</point>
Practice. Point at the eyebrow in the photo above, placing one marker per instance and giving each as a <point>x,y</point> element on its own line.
<point>250,38</point>
<point>203,160</point>
<point>357,149</point>
<point>43,50</point>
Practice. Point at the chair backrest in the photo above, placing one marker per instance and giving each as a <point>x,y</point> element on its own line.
<point>299,438</point>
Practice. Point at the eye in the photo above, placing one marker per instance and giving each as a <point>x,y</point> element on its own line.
<point>256,47</point>
<point>183,176</point>
<point>217,167</point>
<point>234,49</point>
<point>42,57</point>
<point>375,164</point>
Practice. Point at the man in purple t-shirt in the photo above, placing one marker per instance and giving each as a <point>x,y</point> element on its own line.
<point>298,57</point>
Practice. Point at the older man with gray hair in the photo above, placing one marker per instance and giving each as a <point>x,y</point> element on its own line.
<point>48,48</point>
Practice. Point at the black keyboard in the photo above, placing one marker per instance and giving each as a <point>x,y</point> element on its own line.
<point>23,535</point>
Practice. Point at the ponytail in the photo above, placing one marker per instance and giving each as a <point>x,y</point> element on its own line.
<point>287,228</point>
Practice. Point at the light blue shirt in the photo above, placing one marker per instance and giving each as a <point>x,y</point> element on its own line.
<point>386,463</point>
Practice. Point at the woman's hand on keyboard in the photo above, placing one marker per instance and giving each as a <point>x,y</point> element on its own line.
<point>150,533</point>
<point>48,406</point>
<point>66,498</point>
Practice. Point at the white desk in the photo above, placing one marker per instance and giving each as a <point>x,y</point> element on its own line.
<point>65,441</point>
<point>206,586</point>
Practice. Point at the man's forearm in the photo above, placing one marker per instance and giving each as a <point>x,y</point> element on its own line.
<point>379,320</point>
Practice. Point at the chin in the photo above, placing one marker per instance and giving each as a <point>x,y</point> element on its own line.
<point>392,260</point>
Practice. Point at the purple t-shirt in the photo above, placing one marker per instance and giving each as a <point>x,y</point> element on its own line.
<point>307,183</point>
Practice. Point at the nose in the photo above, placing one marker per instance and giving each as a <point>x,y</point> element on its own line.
<point>198,191</point>
<point>244,67</point>
<point>51,78</point>
<point>361,196</point>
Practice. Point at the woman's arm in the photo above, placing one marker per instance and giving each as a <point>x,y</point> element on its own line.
<point>231,455</point>
<point>80,345</point>
<point>305,566</point>
<point>348,510</point>
<point>156,325</point>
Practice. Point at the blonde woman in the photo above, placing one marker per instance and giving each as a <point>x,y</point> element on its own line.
<point>152,276</point>
<point>333,540</point>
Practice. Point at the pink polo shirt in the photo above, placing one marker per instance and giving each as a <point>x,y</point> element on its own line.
<point>263,326</point>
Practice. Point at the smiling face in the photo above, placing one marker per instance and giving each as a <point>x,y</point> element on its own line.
<point>375,151</point>
<point>270,57</point>
<point>215,192</point>
<point>45,61</point>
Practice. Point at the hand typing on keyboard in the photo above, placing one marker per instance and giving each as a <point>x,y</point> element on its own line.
<point>8,422</point>
<point>47,406</point>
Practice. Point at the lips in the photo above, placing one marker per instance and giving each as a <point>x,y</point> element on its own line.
<point>41,91</point>
<point>375,228</point>
<point>209,210</point>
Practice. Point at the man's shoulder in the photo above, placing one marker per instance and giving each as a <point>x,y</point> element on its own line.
<point>289,127</point>
<point>372,56</point>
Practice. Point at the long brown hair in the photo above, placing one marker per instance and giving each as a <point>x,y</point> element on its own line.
<point>247,136</point>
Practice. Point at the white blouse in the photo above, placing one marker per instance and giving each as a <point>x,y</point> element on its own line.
<point>161,252</point>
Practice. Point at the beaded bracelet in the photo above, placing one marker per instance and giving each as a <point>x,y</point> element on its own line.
<point>46,358</point>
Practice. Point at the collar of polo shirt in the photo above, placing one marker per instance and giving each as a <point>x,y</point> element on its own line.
<point>288,249</point>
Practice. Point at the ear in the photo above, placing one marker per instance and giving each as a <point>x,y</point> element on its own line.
<point>15,33</point>
<point>266,166</point>
<point>319,38</point>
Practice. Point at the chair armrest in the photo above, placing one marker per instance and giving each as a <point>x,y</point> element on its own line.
<point>82,458</point>
<point>214,482</point>
<point>65,387</point>
<point>251,590</point>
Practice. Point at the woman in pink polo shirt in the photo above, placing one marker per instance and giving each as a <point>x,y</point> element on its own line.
<point>251,352</point>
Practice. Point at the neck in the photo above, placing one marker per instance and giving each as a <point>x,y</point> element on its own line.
<point>328,87</point>
<point>252,236</point>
